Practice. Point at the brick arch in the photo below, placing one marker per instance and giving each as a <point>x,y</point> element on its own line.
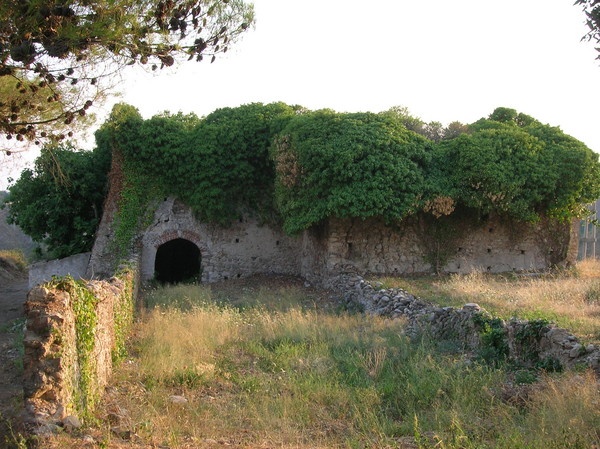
<point>173,234</point>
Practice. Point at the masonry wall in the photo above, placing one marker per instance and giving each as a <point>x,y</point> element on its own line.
<point>52,363</point>
<point>244,248</point>
<point>249,247</point>
<point>74,266</point>
<point>369,246</point>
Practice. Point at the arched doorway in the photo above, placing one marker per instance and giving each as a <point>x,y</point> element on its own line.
<point>177,260</point>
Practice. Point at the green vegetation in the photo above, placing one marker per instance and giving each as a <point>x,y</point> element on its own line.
<point>512,165</point>
<point>123,315</point>
<point>57,59</point>
<point>297,167</point>
<point>219,166</point>
<point>83,381</point>
<point>59,202</point>
<point>259,375</point>
<point>326,164</point>
<point>84,303</point>
<point>348,165</point>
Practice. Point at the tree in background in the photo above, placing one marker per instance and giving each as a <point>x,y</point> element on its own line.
<point>591,8</point>
<point>57,58</point>
<point>59,202</point>
<point>433,130</point>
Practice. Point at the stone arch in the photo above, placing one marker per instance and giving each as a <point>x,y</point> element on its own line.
<point>153,241</point>
<point>177,260</point>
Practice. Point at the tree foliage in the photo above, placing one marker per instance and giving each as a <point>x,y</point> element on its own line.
<point>59,202</point>
<point>433,130</point>
<point>348,165</point>
<point>56,58</point>
<point>303,167</point>
<point>513,165</point>
<point>218,165</point>
<point>591,9</point>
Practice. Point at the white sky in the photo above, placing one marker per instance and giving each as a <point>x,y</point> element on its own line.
<point>444,60</point>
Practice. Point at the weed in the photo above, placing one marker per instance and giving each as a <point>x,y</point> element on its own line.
<point>13,259</point>
<point>256,377</point>
<point>493,339</point>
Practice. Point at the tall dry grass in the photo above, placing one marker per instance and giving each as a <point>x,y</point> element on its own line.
<point>13,259</point>
<point>254,376</point>
<point>569,298</point>
<point>206,373</point>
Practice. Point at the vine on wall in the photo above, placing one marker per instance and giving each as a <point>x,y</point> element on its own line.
<point>302,167</point>
<point>84,383</point>
<point>83,302</point>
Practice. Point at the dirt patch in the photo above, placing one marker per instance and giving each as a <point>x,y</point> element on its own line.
<point>13,293</point>
<point>234,290</point>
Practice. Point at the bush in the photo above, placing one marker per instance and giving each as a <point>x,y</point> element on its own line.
<point>348,165</point>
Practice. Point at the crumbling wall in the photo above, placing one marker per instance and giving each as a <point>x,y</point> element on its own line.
<point>74,330</point>
<point>371,246</point>
<point>244,248</point>
<point>529,343</point>
<point>74,266</point>
<point>249,246</point>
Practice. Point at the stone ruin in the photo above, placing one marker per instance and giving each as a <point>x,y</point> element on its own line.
<point>176,246</point>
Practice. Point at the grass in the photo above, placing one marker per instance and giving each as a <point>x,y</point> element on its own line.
<point>13,259</point>
<point>271,374</point>
<point>571,299</point>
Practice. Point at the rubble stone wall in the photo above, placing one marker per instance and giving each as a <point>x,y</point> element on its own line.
<point>246,247</point>
<point>61,378</point>
<point>528,343</point>
<point>372,247</point>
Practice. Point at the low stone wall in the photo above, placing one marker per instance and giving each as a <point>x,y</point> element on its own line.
<point>74,330</point>
<point>74,266</point>
<point>527,343</point>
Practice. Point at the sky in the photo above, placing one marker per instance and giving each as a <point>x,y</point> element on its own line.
<point>443,60</point>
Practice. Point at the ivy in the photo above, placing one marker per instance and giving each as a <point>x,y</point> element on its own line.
<point>512,165</point>
<point>86,320</point>
<point>348,165</point>
<point>84,305</point>
<point>302,167</point>
<point>219,166</point>
<point>123,315</point>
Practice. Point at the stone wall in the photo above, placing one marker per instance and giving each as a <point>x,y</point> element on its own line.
<point>74,266</point>
<point>58,384</point>
<point>244,248</point>
<point>527,343</point>
<point>249,247</point>
<point>372,247</point>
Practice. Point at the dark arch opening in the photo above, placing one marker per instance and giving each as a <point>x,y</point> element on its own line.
<point>176,261</point>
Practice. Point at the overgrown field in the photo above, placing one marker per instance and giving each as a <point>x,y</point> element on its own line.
<point>570,298</point>
<point>265,369</point>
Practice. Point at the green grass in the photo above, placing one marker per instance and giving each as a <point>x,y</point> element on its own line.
<point>267,376</point>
